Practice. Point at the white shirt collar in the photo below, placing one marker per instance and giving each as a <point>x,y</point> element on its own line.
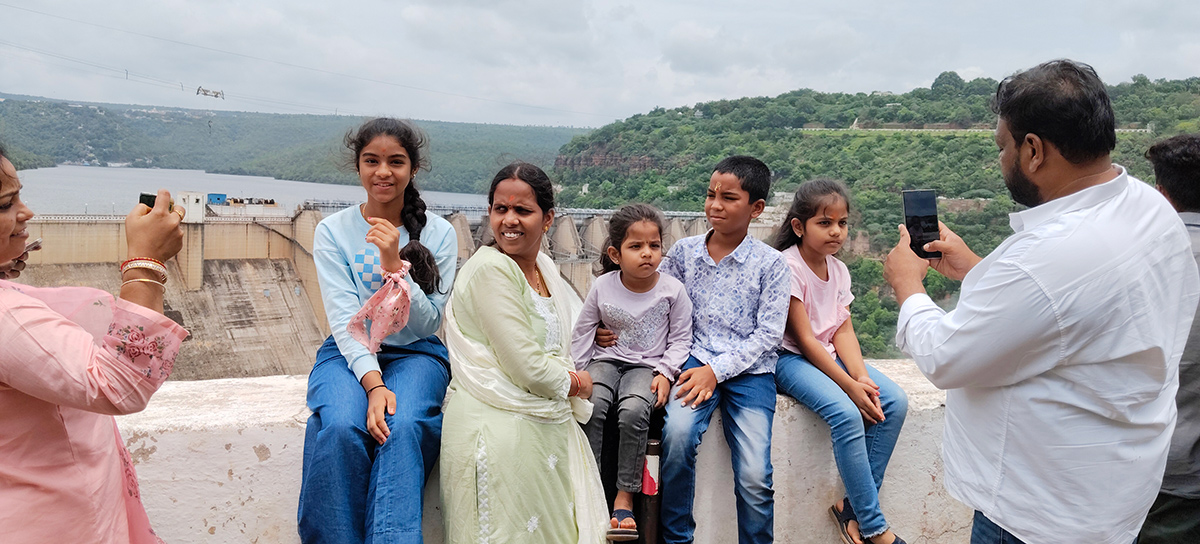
<point>1086,198</point>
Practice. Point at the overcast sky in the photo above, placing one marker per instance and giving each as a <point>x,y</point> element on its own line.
<point>558,62</point>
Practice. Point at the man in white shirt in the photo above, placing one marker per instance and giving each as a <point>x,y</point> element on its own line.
<point>1175,516</point>
<point>1060,360</point>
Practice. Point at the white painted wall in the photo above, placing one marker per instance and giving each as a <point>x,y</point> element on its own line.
<point>219,462</point>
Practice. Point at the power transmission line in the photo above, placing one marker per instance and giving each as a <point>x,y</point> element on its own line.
<point>309,68</point>
<point>136,77</point>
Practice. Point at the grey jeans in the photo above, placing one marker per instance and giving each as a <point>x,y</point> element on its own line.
<point>629,386</point>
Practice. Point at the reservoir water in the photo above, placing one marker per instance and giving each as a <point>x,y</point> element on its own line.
<point>104,191</point>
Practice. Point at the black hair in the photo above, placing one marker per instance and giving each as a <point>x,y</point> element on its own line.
<point>754,175</point>
<point>1064,103</point>
<point>424,269</point>
<point>1177,170</point>
<point>810,197</point>
<point>537,179</point>
<point>618,227</point>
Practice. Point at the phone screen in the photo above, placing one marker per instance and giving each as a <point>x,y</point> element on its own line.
<point>920,217</point>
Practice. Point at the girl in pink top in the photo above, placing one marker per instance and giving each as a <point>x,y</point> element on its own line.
<point>821,364</point>
<point>71,358</point>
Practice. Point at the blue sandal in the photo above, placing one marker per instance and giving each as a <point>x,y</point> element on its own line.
<point>619,534</point>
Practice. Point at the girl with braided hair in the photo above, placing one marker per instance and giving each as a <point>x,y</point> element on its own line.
<point>376,422</point>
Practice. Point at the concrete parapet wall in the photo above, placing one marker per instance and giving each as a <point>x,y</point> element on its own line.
<point>219,461</point>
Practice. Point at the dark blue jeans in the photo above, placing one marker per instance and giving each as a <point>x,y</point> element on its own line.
<point>353,489</point>
<point>983,531</point>
<point>747,410</point>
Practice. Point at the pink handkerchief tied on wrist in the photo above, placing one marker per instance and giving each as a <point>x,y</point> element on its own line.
<point>387,311</point>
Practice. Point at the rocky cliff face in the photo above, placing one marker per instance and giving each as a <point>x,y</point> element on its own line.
<point>601,159</point>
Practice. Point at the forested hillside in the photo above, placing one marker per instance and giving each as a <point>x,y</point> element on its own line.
<point>937,138</point>
<point>464,156</point>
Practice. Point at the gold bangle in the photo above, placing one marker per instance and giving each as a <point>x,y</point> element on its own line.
<point>144,280</point>
<point>158,269</point>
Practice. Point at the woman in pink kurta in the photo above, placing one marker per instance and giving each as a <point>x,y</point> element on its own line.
<point>70,359</point>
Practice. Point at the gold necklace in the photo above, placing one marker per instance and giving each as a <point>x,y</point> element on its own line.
<point>538,285</point>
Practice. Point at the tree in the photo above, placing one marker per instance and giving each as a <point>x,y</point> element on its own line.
<point>947,84</point>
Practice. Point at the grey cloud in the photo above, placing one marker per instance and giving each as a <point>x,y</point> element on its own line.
<point>607,58</point>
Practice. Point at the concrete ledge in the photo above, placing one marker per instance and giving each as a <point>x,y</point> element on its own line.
<point>219,461</point>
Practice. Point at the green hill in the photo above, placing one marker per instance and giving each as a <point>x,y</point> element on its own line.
<point>936,138</point>
<point>43,132</point>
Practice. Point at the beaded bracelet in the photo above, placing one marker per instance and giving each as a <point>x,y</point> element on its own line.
<point>144,280</point>
<point>158,269</point>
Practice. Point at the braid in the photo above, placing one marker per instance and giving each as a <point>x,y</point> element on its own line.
<point>424,267</point>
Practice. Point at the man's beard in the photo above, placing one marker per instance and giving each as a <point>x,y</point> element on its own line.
<point>1023,191</point>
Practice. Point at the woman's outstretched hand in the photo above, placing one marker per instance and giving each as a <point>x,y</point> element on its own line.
<point>155,232</point>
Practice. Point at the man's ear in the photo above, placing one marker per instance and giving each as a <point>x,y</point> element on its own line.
<point>1034,152</point>
<point>756,209</point>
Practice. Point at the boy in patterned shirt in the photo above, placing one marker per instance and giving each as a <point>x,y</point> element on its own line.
<point>739,287</point>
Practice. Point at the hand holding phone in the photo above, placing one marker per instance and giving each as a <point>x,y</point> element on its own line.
<point>149,198</point>
<point>921,220</point>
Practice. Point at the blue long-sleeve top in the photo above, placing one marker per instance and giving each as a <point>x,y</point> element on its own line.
<point>349,271</point>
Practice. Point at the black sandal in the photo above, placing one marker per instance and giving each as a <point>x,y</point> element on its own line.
<point>843,520</point>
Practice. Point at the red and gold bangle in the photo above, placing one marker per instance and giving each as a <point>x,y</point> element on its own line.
<point>575,384</point>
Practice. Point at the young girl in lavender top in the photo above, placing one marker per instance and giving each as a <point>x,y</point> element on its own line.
<point>821,364</point>
<point>651,315</point>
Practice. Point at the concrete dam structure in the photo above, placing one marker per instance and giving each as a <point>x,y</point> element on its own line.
<point>246,287</point>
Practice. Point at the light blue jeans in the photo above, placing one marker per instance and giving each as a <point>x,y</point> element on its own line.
<point>861,451</point>
<point>747,409</point>
<point>351,488</point>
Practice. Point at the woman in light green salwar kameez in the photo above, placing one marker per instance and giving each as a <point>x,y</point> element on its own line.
<point>515,466</point>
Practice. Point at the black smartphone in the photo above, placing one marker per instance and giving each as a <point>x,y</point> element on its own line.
<point>920,218</point>
<point>149,198</point>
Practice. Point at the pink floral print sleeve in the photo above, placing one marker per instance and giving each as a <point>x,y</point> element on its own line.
<point>70,358</point>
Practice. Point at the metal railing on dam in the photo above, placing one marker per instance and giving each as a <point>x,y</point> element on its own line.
<point>330,206</point>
